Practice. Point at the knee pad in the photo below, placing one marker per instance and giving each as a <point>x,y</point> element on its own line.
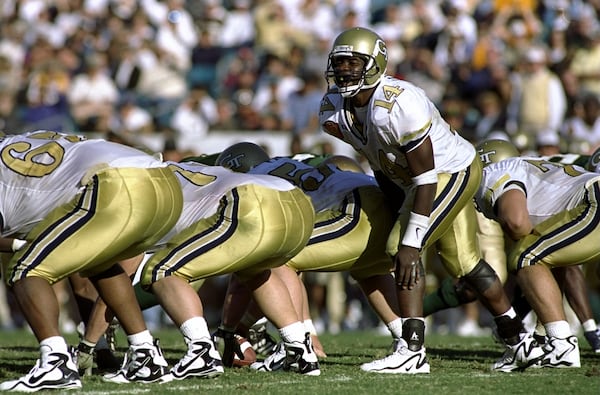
<point>464,292</point>
<point>481,277</point>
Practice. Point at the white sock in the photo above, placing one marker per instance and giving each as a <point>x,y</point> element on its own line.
<point>293,333</point>
<point>140,338</point>
<point>309,327</point>
<point>195,328</point>
<point>395,327</point>
<point>589,325</point>
<point>558,329</point>
<point>54,343</point>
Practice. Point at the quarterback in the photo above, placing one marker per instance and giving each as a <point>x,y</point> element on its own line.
<point>430,174</point>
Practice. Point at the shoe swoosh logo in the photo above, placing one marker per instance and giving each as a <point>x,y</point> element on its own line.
<point>558,356</point>
<point>419,364</point>
<point>184,366</point>
<point>62,360</point>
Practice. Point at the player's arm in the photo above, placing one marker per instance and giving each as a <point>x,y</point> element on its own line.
<point>513,214</point>
<point>421,164</point>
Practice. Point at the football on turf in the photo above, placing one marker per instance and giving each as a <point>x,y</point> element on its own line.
<point>247,350</point>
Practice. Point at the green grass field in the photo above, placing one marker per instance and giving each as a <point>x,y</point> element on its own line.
<point>458,366</point>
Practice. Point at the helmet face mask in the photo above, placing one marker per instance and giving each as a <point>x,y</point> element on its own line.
<point>242,157</point>
<point>364,57</point>
<point>494,151</point>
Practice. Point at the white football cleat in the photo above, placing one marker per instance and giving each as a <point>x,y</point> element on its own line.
<point>519,356</point>
<point>401,361</point>
<point>55,370</point>
<point>201,360</point>
<point>561,353</point>
<point>142,364</point>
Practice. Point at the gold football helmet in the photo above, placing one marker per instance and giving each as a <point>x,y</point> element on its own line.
<point>241,157</point>
<point>364,44</point>
<point>493,151</point>
<point>344,163</point>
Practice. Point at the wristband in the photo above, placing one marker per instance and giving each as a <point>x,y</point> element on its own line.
<point>415,230</point>
<point>17,244</point>
<point>429,177</point>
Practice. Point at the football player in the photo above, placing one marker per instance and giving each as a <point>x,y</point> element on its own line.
<point>493,247</point>
<point>548,233</point>
<point>430,173</point>
<point>230,223</point>
<point>350,232</point>
<point>74,205</point>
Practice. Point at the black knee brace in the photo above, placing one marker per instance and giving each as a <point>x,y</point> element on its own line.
<point>481,277</point>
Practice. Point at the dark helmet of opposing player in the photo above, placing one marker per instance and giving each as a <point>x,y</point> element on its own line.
<point>593,163</point>
<point>343,162</point>
<point>493,151</point>
<point>241,157</point>
<point>364,44</point>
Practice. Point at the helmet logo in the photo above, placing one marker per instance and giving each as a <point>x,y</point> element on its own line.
<point>381,48</point>
<point>484,156</point>
<point>234,162</point>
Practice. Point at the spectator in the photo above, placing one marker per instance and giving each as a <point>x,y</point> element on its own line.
<point>176,34</point>
<point>47,106</point>
<point>226,115</point>
<point>582,131</point>
<point>277,81</point>
<point>585,65</point>
<point>132,120</point>
<point>301,109</point>
<point>419,67</point>
<point>539,101</point>
<point>314,17</point>
<point>238,26</point>
<point>161,87</point>
<point>93,95</point>
<point>274,33</point>
<point>492,115</point>
<point>205,57</point>
<point>193,118</point>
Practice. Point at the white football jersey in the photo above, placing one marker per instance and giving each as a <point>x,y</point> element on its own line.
<point>204,186</point>
<point>326,185</point>
<point>550,187</point>
<point>397,119</point>
<point>42,170</point>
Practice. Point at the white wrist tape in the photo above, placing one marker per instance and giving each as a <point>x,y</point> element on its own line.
<point>17,244</point>
<point>429,177</point>
<point>415,230</point>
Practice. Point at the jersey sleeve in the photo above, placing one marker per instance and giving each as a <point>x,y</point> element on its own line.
<point>404,114</point>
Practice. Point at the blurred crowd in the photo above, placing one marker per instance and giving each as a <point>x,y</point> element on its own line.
<point>523,70</point>
<point>183,68</point>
